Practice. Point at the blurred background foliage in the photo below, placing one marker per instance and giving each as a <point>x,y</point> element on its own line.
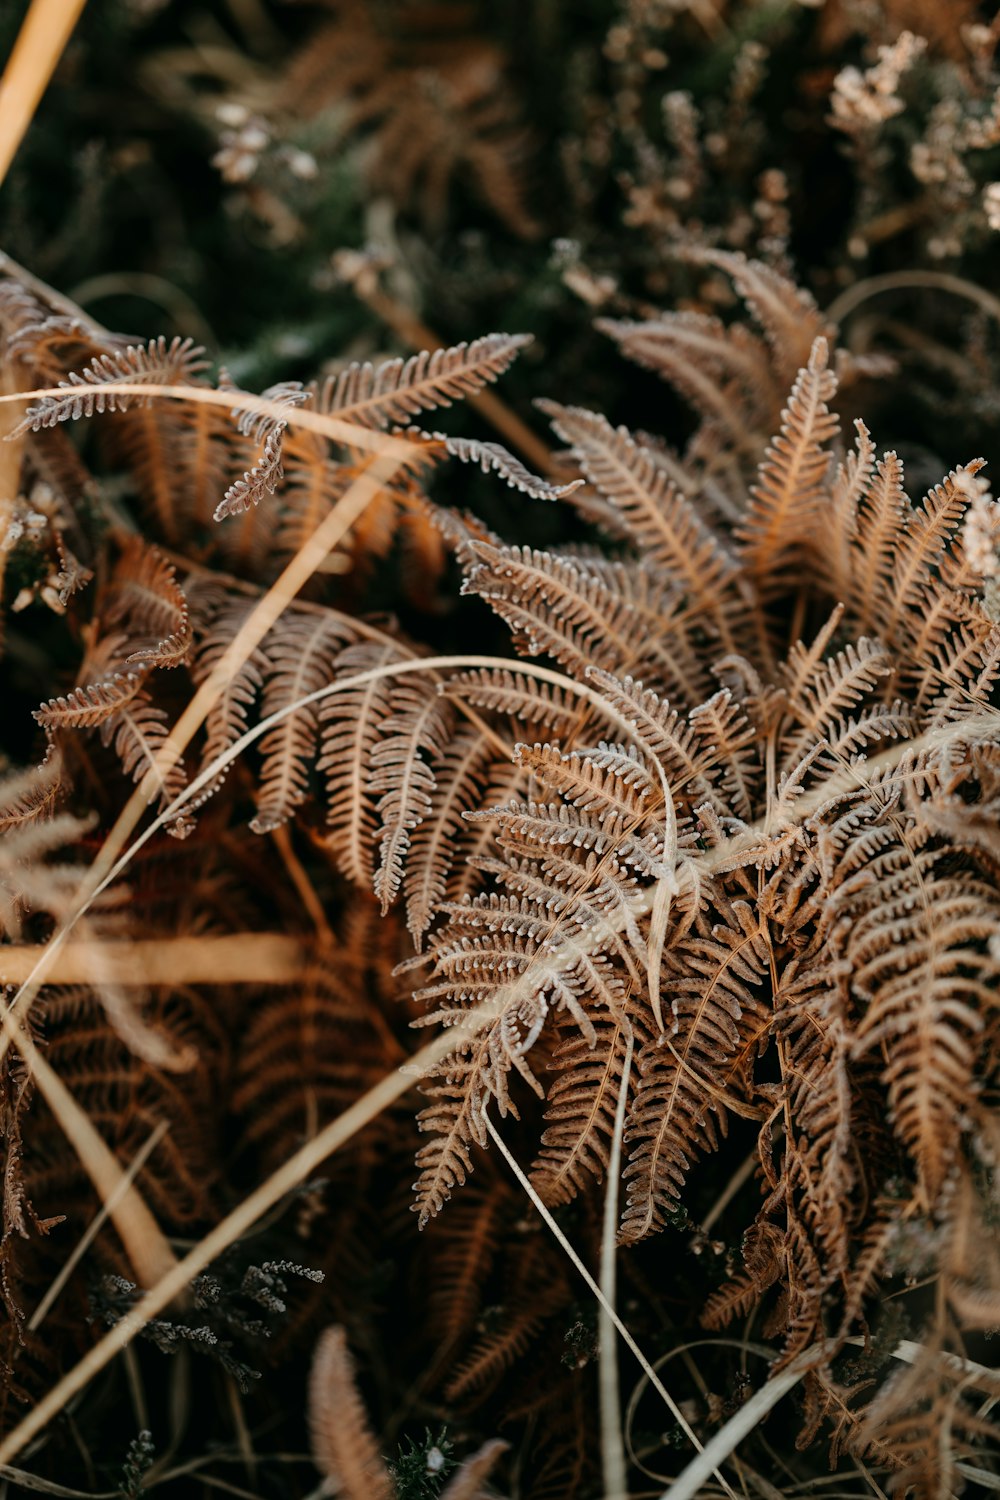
<point>203,168</point>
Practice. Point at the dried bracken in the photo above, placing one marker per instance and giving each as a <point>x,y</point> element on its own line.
<point>604,818</point>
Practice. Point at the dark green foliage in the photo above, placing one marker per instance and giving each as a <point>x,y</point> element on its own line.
<point>422,1466</point>
<point>141,1452</point>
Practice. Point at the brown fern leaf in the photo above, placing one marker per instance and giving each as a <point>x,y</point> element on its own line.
<point>493,458</point>
<point>392,393</point>
<point>926,1418</point>
<point>350,722</point>
<point>467,1483</point>
<point>343,1446</point>
<point>453,1121</point>
<point>820,1162</point>
<point>156,363</point>
<point>418,729</point>
<point>267,432</point>
<point>519,697</point>
<point>582,614</point>
<point>882,514</point>
<point>914,946</point>
<point>785,504</point>
<point>30,796</point>
<point>642,503</point>
<point>138,731</point>
<point>788,315</point>
<point>217,621</point>
<point>88,706</point>
<point>580,1112</point>
<point>301,651</point>
<point>437,99</point>
<point>475,839</point>
<point>261,480</point>
<point>690,1076</point>
<point>255,424</point>
<point>699,758</point>
<point>307,1053</point>
<point>464,1248</point>
<point>724,373</point>
<point>147,598</point>
<point>127,1098</point>
<point>921,548</point>
<point>822,692</point>
<point>536,1289</point>
<point>461,770</point>
<point>180,456</point>
<point>764,1261</point>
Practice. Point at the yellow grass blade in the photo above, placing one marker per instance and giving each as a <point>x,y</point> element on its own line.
<point>38,48</point>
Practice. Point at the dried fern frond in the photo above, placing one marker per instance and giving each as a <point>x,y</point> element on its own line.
<point>724,373</point>
<point>301,651</point>
<point>493,458</point>
<point>787,314</point>
<point>689,1076</point>
<point>156,363</point>
<point>436,100</point>
<point>261,480</point>
<point>31,796</point>
<point>343,1446</point>
<point>580,1112</point>
<point>90,705</point>
<point>147,598</point>
<point>392,393</point>
<point>785,502</point>
<point>643,504</point>
<point>467,1483</point>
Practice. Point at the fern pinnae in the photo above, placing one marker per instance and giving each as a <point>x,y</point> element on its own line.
<point>830,690</point>
<point>684,765</point>
<point>30,796</point>
<point>620,788</point>
<point>461,770</point>
<point>156,363</point>
<point>566,608</point>
<point>87,706</point>
<point>146,595</point>
<point>852,477</point>
<point>785,501</point>
<point>507,691</point>
<point>574,896</point>
<point>344,1449</point>
<point>311,484</point>
<point>255,424</point>
<point>493,458</point>
<point>672,1115</point>
<point>301,651</point>
<point>451,1121</point>
<point>139,733</point>
<point>971,679</point>
<point>917,964</point>
<point>787,313</point>
<point>883,516</point>
<point>394,392</point>
<point>217,621</point>
<point>349,732</point>
<point>649,508</point>
<point>261,480</point>
<point>663,346</point>
<point>416,731</point>
<point>580,1110</point>
<point>922,545</point>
